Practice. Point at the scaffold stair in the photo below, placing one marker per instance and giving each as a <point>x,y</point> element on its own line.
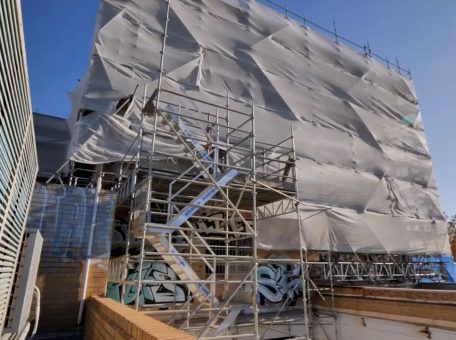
<point>160,242</point>
<point>193,144</point>
<point>180,266</point>
<point>199,201</point>
<point>156,234</point>
<point>227,321</point>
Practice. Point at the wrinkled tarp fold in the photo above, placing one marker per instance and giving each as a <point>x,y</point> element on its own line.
<point>360,142</point>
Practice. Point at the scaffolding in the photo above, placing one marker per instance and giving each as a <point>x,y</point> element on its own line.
<point>193,226</point>
<point>222,162</point>
<point>201,222</point>
<point>219,247</point>
<point>192,256</point>
<point>197,222</point>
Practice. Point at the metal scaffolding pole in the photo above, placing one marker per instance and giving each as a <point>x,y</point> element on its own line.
<point>143,240</point>
<point>302,245</point>
<point>88,261</point>
<point>254,227</point>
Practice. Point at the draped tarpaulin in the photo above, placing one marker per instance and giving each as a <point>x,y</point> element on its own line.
<point>360,141</point>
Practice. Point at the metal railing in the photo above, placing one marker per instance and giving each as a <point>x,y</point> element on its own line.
<point>364,48</point>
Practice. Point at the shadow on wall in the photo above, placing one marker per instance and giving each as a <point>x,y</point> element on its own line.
<point>64,215</point>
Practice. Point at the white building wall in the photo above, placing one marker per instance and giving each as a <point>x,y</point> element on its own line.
<point>18,160</point>
<point>350,327</point>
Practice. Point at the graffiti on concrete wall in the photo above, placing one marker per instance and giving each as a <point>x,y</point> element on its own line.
<point>215,221</point>
<point>119,240</point>
<point>151,293</point>
<point>276,283</point>
<point>120,232</point>
<point>235,224</point>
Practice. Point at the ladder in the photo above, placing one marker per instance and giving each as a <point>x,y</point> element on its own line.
<point>227,322</point>
<point>180,266</point>
<point>156,237</point>
<point>185,214</point>
<point>126,190</point>
<point>213,328</point>
<point>187,135</point>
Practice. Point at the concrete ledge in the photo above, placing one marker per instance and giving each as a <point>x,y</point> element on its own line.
<point>421,307</point>
<point>108,319</point>
<point>439,296</point>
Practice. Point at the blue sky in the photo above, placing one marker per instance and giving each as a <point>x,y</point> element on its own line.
<point>420,33</point>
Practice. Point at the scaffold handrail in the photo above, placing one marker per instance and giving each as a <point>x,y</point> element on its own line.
<point>365,48</point>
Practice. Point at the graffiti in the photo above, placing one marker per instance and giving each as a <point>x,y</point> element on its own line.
<point>276,283</point>
<point>235,224</point>
<point>120,232</point>
<point>159,292</point>
<point>119,240</point>
<point>151,293</point>
<point>206,226</point>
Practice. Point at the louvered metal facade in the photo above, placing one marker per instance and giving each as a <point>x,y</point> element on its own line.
<point>18,159</point>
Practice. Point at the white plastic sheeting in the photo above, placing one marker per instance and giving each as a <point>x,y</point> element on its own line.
<point>360,141</point>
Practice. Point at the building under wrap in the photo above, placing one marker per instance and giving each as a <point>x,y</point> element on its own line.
<point>362,157</point>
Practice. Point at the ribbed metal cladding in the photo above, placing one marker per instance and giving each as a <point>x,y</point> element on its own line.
<point>18,159</point>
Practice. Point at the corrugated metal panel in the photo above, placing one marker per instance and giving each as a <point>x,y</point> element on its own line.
<point>18,160</point>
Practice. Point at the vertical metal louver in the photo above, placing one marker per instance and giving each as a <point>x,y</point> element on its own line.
<point>18,160</point>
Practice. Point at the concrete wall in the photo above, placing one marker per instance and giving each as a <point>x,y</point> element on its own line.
<point>108,319</point>
<point>387,313</point>
<point>351,327</point>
